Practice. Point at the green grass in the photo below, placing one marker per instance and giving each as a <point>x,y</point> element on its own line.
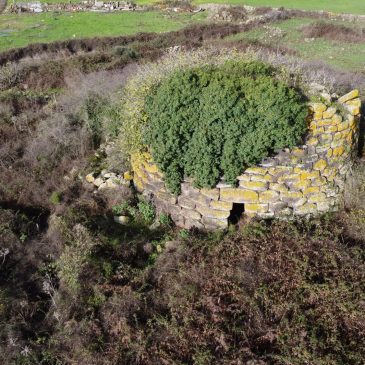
<point>337,6</point>
<point>342,55</point>
<point>20,30</point>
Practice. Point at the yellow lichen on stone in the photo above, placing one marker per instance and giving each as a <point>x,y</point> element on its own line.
<point>332,128</point>
<point>278,187</point>
<point>329,113</point>
<point>254,185</point>
<point>336,119</point>
<point>312,142</point>
<point>211,193</point>
<point>315,198</point>
<point>349,96</point>
<point>338,151</point>
<point>318,131</point>
<point>306,209</point>
<point>262,178</point>
<point>256,171</point>
<point>138,183</point>
<point>220,205</point>
<point>324,122</point>
<point>128,176</point>
<point>256,208</point>
<point>151,168</point>
<point>320,165</point>
<point>280,170</point>
<point>212,213</point>
<point>355,102</point>
<point>300,184</point>
<point>268,196</point>
<point>290,178</point>
<point>317,107</point>
<point>239,196</point>
<point>343,126</point>
<point>311,190</point>
<point>353,109</point>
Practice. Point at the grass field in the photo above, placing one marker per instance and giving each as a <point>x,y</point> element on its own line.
<point>345,55</point>
<point>20,30</point>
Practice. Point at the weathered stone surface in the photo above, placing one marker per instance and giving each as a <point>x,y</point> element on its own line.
<point>121,219</point>
<point>316,198</point>
<point>329,113</point>
<point>278,187</point>
<point>320,165</point>
<point>211,223</point>
<point>90,178</point>
<point>213,213</point>
<point>256,208</point>
<point>268,196</point>
<point>277,206</point>
<point>352,109</point>
<point>317,107</point>
<point>190,213</point>
<point>256,171</point>
<point>98,181</point>
<point>128,176</point>
<point>210,193</point>
<point>306,209</point>
<point>191,223</point>
<point>221,205</point>
<point>291,196</point>
<point>263,178</point>
<point>239,196</point>
<point>349,96</point>
<point>254,185</point>
<point>185,202</point>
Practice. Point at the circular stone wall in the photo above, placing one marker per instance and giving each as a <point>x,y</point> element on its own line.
<point>302,181</point>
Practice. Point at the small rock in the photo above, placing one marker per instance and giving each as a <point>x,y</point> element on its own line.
<point>148,248</point>
<point>90,178</point>
<point>98,181</point>
<point>109,175</point>
<point>102,186</point>
<point>121,219</point>
<point>111,184</point>
<point>128,176</point>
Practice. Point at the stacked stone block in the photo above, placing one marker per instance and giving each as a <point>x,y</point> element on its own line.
<point>301,181</point>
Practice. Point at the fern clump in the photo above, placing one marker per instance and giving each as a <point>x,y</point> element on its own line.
<point>212,122</point>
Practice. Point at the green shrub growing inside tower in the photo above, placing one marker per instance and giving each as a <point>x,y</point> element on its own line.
<point>213,122</point>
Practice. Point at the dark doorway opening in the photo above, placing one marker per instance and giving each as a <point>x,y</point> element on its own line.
<point>236,213</point>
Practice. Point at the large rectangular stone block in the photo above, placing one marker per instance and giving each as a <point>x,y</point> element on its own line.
<point>239,196</point>
<point>212,213</point>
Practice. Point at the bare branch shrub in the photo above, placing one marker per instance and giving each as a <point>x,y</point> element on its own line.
<point>333,32</point>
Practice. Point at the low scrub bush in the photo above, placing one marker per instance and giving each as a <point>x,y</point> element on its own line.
<point>212,122</point>
<point>333,32</point>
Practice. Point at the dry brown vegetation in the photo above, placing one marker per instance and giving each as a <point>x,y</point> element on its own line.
<point>333,32</point>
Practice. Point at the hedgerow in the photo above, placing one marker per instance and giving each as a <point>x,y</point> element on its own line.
<point>211,122</point>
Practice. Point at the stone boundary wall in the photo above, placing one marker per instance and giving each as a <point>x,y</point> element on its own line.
<point>303,181</point>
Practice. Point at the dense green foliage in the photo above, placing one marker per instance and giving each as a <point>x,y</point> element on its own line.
<point>214,121</point>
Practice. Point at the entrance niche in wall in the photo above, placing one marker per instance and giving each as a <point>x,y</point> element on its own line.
<point>236,213</point>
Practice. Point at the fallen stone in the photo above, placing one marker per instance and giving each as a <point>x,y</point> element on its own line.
<point>121,219</point>
<point>98,181</point>
<point>90,178</point>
